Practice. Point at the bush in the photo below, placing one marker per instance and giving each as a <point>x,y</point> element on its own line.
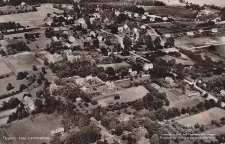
<point>116,97</point>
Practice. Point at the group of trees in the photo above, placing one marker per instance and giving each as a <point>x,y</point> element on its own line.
<point>20,112</point>
<point>18,46</point>
<point>9,25</point>
<point>151,3</point>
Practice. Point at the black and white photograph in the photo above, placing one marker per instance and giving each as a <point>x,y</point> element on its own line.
<point>112,71</point>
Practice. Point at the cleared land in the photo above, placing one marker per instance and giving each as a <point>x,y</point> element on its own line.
<point>186,103</point>
<point>39,126</point>
<point>23,61</point>
<point>31,19</point>
<point>217,131</point>
<point>203,118</point>
<point>178,60</point>
<point>4,82</point>
<point>175,92</point>
<point>4,70</point>
<point>170,10</point>
<point>126,95</point>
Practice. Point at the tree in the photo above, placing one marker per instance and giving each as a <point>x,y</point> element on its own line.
<point>169,42</point>
<point>110,71</point>
<point>23,87</point>
<point>9,87</point>
<point>148,42</point>
<point>127,42</point>
<point>157,43</point>
<point>116,97</point>
<point>43,70</point>
<point>35,68</point>
<point>21,75</point>
<point>161,114</point>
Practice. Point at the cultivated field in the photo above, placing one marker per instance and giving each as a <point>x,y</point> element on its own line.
<point>4,70</point>
<point>203,118</point>
<point>175,92</point>
<point>39,126</point>
<point>4,82</point>
<point>23,61</point>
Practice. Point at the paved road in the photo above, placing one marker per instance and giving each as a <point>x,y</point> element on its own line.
<point>203,91</point>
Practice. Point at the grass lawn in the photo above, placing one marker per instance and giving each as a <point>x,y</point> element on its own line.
<point>178,60</point>
<point>126,95</point>
<point>4,82</point>
<point>203,118</point>
<point>217,131</point>
<point>187,103</point>
<point>175,92</point>
<point>23,61</point>
<point>31,19</point>
<point>4,68</point>
<point>38,126</point>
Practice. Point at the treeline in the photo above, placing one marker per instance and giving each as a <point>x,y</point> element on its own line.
<point>9,25</point>
<point>151,3</point>
<point>31,2</point>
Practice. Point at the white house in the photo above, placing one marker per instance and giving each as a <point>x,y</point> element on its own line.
<point>148,66</point>
<point>23,3</point>
<point>167,35</point>
<point>165,18</point>
<point>120,29</point>
<point>28,101</point>
<point>136,15</point>
<point>143,17</point>
<point>222,92</point>
<point>215,30</point>
<point>190,33</point>
<point>91,20</point>
<point>143,27</point>
<point>110,85</point>
<point>92,33</point>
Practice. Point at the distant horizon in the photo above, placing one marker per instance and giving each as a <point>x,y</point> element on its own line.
<point>220,3</point>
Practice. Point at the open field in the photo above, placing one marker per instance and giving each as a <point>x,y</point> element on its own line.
<point>39,126</point>
<point>23,61</point>
<point>4,82</point>
<point>114,65</point>
<point>203,118</point>
<point>175,92</point>
<point>186,103</point>
<point>7,9</point>
<point>126,95</point>
<point>31,19</point>
<point>4,70</point>
<point>186,42</point>
<point>220,3</point>
<point>178,60</point>
<point>217,131</point>
<point>170,10</point>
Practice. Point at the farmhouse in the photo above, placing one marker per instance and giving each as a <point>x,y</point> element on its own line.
<point>28,101</point>
<point>148,66</point>
<point>190,33</point>
<point>222,92</point>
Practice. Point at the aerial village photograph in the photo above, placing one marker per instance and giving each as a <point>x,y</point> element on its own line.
<point>112,71</point>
